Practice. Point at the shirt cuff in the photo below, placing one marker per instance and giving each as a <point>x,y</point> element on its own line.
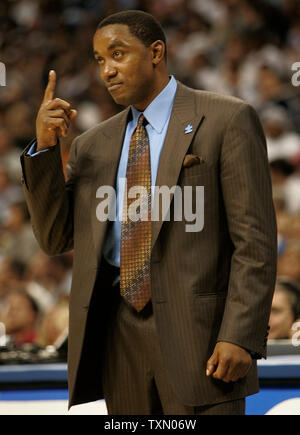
<point>32,150</point>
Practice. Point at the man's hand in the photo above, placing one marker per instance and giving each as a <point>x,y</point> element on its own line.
<point>228,362</point>
<point>53,118</point>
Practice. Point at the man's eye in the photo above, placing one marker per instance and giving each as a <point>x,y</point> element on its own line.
<point>99,60</point>
<point>117,53</point>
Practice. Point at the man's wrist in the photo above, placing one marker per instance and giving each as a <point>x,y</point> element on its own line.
<point>34,150</point>
<point>40,147</point>
<point>254,355</point>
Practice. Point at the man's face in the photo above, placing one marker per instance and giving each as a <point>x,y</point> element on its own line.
<point>126,66</point>
<point>282,317</point>
<point>20,315</point>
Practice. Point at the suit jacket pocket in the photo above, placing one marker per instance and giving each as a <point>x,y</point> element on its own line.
<point>206,169</point>
<point>210,295</point>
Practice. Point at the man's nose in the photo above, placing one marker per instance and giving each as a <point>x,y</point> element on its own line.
<point>108,71</point>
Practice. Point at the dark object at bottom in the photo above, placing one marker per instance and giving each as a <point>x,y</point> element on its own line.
<point>31,353</point>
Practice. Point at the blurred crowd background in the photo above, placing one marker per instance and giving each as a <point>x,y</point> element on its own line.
<point>246,48</point>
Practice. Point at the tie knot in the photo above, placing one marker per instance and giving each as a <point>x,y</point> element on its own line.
<point>141,120</point>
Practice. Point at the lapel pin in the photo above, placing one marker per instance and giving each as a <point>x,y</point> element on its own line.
<point>188,129</point>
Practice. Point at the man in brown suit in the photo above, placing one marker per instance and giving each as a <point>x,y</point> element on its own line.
<point>192,349</point>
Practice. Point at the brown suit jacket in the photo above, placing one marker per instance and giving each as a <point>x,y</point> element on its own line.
<point>207,286</point>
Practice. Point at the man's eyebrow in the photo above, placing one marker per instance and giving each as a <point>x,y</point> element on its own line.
<point>113,45</point>
<point>117,43</point>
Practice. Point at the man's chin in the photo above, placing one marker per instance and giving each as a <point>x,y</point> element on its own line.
<point>120,100</point>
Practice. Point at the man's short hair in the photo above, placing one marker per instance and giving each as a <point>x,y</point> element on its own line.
<point>141,24</point>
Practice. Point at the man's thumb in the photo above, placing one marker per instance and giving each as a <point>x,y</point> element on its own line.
<point>211,364</point>
<point>73,113</point>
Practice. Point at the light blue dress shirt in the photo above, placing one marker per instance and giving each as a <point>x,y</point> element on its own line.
<point>158,116</point>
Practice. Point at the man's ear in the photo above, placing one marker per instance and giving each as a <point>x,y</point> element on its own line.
<point>158,51</point>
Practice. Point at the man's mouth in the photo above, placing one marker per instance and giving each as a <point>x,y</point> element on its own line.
<point>113,86</point>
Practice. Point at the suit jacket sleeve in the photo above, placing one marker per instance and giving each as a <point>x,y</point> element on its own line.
<point>247,194</point>
<point>49,198</point>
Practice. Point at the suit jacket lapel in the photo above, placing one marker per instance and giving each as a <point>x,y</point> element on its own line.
<point>177,142</point>
<point>106,155</point>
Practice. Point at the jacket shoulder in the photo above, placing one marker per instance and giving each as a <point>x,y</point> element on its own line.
<point>208,101</point>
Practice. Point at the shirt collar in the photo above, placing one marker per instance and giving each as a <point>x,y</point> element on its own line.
<point>159,110</point>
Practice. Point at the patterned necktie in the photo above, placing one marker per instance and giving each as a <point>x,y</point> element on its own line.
<point>135,285</point>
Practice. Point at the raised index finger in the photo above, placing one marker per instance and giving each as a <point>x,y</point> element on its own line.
<point>50,89</point>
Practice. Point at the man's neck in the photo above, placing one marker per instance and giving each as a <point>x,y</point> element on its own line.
<point>156,91</point>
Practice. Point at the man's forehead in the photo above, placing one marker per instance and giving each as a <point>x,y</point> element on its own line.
<point>115,33</point>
